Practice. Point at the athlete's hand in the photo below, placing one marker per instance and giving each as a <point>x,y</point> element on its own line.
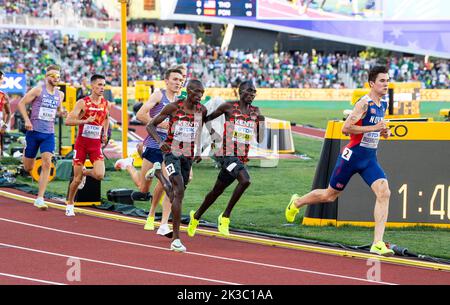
<point>197,159</point>
<point>386,133</point>
<point>380,126</point>
<point>164,125</point>
<point>90,119</point>
<point>63,113</point>
<point>104,139</point>
<point>165,148</point>
<point>28,125</point>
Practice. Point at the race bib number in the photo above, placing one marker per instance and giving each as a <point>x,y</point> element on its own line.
<point>170,169</point>
<point>92,131</point>
<point>370,139</point>
<point>346,154</point>
<point>242,134</point>
<point>184,133</point>
<point>47,114</point>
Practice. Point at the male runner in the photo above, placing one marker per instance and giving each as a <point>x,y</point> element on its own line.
<point>5,114</point>
<point>186,120</point>
<point>365,125</point>
<point>152,153</point>
<point>91,114</point>
<point>45,103</point>
<point>242,123</point>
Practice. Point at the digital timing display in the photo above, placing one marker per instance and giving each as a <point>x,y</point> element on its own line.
<point>217,8</point>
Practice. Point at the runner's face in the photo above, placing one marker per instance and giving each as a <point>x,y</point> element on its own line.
<point>53,77</point>
<point>380,86</point>
<point>195,93</point>
<point>98,86</point>
<point>248,94</point>
<point>174,82</point>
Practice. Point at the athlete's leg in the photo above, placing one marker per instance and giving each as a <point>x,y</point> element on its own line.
<point>382,192</point>
<point>212,196</point>
<point>243,183</point>
<point>73,187</point>
<point>178,195</point>
<point>98,170</point>
<point>318,196</point>
<point>46,158</point>
<point>142,183</point>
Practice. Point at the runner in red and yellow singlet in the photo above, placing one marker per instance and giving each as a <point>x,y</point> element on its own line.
<point>91,114</point>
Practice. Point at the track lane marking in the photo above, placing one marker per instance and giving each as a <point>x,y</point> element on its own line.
<point>30,279</point>
<point>118,265</point>
<point>198,254</point>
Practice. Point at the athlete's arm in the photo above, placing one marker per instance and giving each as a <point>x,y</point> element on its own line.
<point>151,126</point>
<point>62,112</point>
<point>358,112</point>
<point>7,109</point>
<point>73,118</point>
<point>223,108</point>
<point>260,126</point>
<point>28,99</point>
<point>105,128</point>
<point>143,113</point>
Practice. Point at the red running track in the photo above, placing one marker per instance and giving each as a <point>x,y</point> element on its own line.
<point>39,247</point>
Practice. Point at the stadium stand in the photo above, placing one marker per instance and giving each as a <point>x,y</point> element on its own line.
<point>26,51</point>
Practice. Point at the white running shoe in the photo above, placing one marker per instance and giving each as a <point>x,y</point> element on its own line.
<point>69,210</point>
<point>164,230</point>
<point>151,172</point>
<point>122,164</point>
<point>40,204</point>
<point>177,246</point>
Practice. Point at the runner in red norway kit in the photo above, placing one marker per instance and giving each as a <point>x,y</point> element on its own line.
<point>91,114</point>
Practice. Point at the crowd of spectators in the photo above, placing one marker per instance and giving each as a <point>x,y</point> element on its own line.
<point>28,52</point>
<point>48,8</point>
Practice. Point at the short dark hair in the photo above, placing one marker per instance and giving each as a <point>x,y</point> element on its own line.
<point>373,73</point>
<point>97,76</point>
<point>194,83</point>
<point>245,84</point>
<point>52,67</point>
<point>170,71</point>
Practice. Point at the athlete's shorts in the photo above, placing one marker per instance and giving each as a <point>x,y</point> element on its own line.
<point>153,155</point>
<point>84,147</point>
<point>231,166</point>
<point>178,165</point>
<point>38,140</point>
<point>358,160</point>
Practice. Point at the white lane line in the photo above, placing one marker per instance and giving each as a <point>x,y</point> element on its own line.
<point>119,265</point>
<point>201,254</point>
<point>30,279</point>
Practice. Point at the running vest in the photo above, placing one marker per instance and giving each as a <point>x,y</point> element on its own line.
<point>93,130</point>
<point>238,132</point>
<point>43,111</point>
<point>149,141</point>
<point>373,115</point>
<point>183,128</point>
